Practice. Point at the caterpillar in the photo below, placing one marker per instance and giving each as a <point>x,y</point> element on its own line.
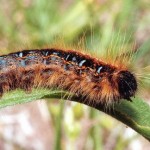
<point>81,74</point>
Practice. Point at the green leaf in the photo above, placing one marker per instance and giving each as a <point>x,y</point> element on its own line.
<point>135,114</point>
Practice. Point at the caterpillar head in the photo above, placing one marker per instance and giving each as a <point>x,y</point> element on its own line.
<point>127,84</point>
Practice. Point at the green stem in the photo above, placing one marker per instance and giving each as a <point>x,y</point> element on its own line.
<point>95,132</point>
<point>57,145</point>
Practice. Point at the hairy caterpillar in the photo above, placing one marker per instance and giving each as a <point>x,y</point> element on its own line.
<point>81,74</point>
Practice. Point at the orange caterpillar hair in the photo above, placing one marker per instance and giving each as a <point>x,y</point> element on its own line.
<point>81,74</point>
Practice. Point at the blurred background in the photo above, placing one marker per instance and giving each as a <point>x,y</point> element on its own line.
<point>93,24</point>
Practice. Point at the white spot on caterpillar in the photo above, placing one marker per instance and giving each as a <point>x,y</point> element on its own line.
<point>46,54</point>
<point>67,56</point>
<point>55,53</point>
<point>81,63</point>
<point>20,54</point>
<point>74,59</point>
<point>99,69</point>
